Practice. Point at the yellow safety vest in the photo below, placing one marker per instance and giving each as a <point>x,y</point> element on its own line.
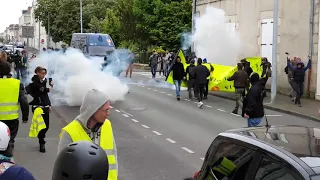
<point>22,62</point>
<point>208,65</point>
<point>77,133</point>
<point>226,167</point>
<point>9,95</point>
<point>37,123</point>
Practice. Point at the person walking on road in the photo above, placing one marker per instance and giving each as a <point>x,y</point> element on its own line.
<point>241,81</point>
<point>39,91</point>
<point>130,65</point>
<point>190,78</point>
<point>200,73</point>
<point>178,75</point>
<point>88,156</point>
<point>8,169</point>
<point>253,109</point>
<point>21,65</point>
<point>12,93</point>
<point>206,87</point>
<point>153,63</point>
<point>92,125</point>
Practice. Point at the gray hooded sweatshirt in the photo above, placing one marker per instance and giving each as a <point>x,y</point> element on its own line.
<point>91,102</point>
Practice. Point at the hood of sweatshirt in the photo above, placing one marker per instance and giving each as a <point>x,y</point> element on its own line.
<point>91,102</point>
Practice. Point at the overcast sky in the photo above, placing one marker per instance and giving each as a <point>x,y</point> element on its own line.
<point>11,11</point>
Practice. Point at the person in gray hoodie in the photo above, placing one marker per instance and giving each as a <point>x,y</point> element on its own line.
<point>94,111</point>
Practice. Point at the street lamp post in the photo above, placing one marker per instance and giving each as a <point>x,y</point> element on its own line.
<point>274,50</point>
<point>81,15</point>
<point>194,9</point>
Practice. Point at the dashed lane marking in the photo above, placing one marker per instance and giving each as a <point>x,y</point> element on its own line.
<point>196,102</point>
<point>163,92</point>
<point>149,88</point>
<point>155,90</point>
<point>157,133</point>
<point>145,126</point>
<point>221,110</point>
<point>169,94</point>
<point>125,115</point>
<point>208,106</point>
<point>188,150</point>
<point>170,140</point>
<point>110,107</point>
<point>187,99</point>
<point>117,110</point>
<point>134,120</point>
<point>235,114</point>
<point>202,159</point>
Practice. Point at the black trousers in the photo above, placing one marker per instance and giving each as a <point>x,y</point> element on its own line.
<point>45,116</point>
<point>206,89</point>
<point>200,89</point>
<point>13,126</point>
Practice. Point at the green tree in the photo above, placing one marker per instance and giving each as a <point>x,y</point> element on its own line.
<point>111,25</point>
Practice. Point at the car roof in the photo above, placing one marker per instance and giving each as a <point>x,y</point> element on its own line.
<point>303,142</point>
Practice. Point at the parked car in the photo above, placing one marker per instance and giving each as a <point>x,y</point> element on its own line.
<point>263,153</point>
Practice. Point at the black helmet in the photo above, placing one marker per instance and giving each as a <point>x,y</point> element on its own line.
<point>81,160</point>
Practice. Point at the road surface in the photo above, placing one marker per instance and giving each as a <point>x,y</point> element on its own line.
<point>158,137</point>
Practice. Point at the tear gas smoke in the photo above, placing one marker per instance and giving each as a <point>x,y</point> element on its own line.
<point>186,40</point>
<point>74,75</point>
<point>214,39</point>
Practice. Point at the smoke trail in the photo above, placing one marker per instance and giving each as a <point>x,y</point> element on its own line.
<point>74,75</point>
<point>186,40</point>
<point>214,39</point>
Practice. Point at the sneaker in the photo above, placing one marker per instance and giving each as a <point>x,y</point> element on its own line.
<point>235,111</point>
<point>200,104</point>
<point>42,148</point>
<point>178,98</point>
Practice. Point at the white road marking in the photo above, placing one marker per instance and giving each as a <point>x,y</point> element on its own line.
<point>163,92</point>
<point>142,86</point>
<point>117,110</point>
<point>202,159</point>
<point>169,94</point>
<point>125,115</point>
<point>145,126</point>
<point>155,90</point>
<point>276,115</point>
<point>235,114</point>
<point>187,99</point>
<point>149,88</point>
<point>209,106</point>
<point>221,110</point>
<point>196,102</point>
<point>170,140</point>
<point>157,133</point>
<point>111,107</point>
<point>134,120</point>
<point>188,150</point>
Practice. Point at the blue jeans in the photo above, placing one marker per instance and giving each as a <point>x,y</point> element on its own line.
<point>153,70</point>
<point>252,122</point>
<point>177,83</point>
<point>22,74</point>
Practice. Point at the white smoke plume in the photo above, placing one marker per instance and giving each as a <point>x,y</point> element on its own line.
<point>214,40</point>
<point>74,75</point>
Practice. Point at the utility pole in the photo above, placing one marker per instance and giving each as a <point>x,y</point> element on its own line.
<point>274,51</point>
<point>194,9</point>
<point>48,41</point>
<point>81,15</point>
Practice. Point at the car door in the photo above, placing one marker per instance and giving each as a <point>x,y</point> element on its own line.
<point>228,159</point>
<point>273,168</point>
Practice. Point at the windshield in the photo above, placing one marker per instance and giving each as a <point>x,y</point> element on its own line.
<point>100,40</point>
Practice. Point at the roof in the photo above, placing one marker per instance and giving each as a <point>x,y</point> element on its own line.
<point>303,142</point>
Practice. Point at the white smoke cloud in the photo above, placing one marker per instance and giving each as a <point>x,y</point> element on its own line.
<point>214,40</point>
<point>74,75</point>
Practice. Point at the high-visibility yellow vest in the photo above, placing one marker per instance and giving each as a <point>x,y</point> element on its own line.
<point>77,133</point>
<point>22,62</point>
<point>37,123</point>
<point>208,65</point>
<point>226,167</point>
<point>9,95</point>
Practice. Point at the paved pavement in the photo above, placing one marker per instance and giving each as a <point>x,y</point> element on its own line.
<point>157,136</point>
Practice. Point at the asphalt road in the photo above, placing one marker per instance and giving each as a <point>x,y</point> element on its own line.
<point>157,136</point>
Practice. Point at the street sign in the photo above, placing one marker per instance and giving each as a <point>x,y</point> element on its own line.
<point>42,41</point>
<point>27,31</point>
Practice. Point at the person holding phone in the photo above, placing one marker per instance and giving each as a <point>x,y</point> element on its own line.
<point>39,91</point>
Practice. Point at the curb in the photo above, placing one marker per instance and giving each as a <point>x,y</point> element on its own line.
<point>274,109</point>
<point>61,118</point>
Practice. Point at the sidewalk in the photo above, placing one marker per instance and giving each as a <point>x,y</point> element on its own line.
<point>284,104</point>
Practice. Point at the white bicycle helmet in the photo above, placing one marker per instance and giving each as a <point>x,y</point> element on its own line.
<point>4,136</point>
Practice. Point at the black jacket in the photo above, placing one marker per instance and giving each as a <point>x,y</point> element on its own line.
<point>253,102</point>
<point>247,68</point>
<point>23,101</point>
<point>178,71</point>
<point>299,73</point>
<point>200,73</point>
<point>39,91</point>
<point>189,70</point>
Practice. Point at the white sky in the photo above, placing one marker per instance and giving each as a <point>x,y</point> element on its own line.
<point>11,11</point>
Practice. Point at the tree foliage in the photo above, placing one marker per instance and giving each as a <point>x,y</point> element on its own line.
<point>134,24</point>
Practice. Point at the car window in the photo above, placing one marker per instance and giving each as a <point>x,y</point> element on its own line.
<point>231,161</point>
<point>273,170</point>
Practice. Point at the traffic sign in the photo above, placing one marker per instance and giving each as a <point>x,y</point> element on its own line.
<point>42,41</point>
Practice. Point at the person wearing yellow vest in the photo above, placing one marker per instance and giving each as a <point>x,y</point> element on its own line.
<point>211,69</point>
<point>12,93</point>
<point>21,65</point>
<point>92,125</point>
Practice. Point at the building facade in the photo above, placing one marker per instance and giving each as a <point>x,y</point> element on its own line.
<point>298,30</point>
<point>25,20</point>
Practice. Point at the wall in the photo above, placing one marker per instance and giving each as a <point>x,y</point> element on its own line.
<point>293,30</point>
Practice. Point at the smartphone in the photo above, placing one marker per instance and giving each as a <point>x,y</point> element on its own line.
<point>50,80</point>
